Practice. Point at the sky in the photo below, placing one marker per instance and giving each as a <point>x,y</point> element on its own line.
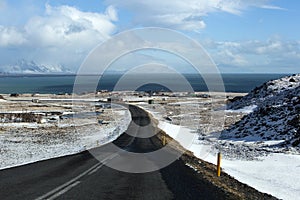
<point>241,36</point>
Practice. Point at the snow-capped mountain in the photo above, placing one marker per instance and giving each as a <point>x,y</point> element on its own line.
<point>276,117</point>
<point>30,67</point>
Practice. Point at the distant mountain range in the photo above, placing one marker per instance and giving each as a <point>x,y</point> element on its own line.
<point>276,117</point>
<point>31,67</point>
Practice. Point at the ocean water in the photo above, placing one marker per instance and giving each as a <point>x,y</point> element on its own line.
<point>55,84</point>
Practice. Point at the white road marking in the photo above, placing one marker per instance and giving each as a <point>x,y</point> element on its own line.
<point>94,170</point>
<point>66,189</point>
<point>58,190</point>
<point>104,162</point>
<point>111,157</point>
<point>67,183</point>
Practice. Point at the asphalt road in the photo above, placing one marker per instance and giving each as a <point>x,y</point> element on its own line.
<point>82,176</point>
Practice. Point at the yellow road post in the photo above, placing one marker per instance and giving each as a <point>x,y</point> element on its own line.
<point>219,165</point>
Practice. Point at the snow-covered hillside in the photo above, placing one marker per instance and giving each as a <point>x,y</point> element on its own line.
<point>276,117</point>
<point>268,90</point>
<point>31,67</point>
<point>279,180</point>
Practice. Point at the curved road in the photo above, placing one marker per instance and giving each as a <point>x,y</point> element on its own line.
<point>81,176</point>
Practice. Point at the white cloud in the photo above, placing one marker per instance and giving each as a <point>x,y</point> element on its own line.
<point>189,13</point>
<point>10,36</point>
<point>68,25</point>
<point>258,56</point>
<point>227,57</point>
<point>112,13</point>
<point>272,7</point>
<point>62,35</point>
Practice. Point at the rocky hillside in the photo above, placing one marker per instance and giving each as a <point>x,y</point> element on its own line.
<point>266,91</point>
<point>276,117</point>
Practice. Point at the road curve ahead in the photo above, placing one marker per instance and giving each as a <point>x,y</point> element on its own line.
<point>82,176</point>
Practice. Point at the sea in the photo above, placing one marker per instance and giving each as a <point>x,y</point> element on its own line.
<point>60,84</point>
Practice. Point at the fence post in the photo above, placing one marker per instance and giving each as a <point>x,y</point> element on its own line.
<point>219,164</point>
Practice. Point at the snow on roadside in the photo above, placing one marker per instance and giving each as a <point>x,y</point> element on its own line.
<point>275,174</point>
<point>94,139</point>
<point>21,147</point>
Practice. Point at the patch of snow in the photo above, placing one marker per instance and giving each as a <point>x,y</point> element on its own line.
<point>179,133</point>
<point>246,109</point>
<point>136,99</point>
<point>192,167</point>
<point>273,142</point>
<point>275,174</point>
<point>68,113</point>
<point>20,125</point>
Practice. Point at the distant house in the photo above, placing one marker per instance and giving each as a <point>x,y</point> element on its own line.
<point>101,91</point>
<point>35,100</point>
<point>203,95</point>
<point>114,99</point>
<point>150,101</point>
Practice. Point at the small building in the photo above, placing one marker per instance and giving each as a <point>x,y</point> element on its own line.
<point>204,96</point>
<point>150,101</point>
<point>114,99</point>
<point>35,100</point>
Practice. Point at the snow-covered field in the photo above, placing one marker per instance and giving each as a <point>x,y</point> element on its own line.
<point>275,173</point>
<point>30,142</point>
